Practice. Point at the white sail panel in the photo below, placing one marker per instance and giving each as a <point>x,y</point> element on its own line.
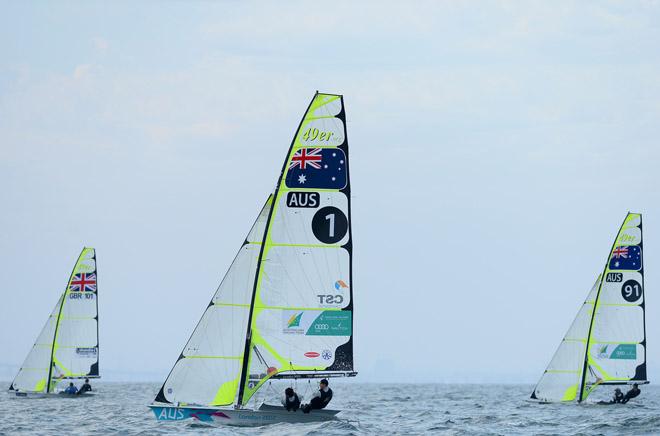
<point>306,277</point>
<point>209,368</point>
<point>302,316</point>
<point>33,374</point>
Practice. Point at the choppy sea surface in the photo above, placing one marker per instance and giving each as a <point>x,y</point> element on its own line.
<point>121,408</point>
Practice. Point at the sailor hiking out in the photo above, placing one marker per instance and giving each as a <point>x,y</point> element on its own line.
<point>632,393</point>
<point>291,400</point>
<point>321,398</point>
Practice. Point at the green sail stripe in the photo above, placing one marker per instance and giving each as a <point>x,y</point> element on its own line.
<point>215,357</point>
<point>613,343</point>
<point>306,245</point>
<point>287,189</point>
<point>262,306</point>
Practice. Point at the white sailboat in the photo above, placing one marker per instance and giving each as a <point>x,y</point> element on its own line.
<point>284,310</point>
<point>68,347</point>
<point>606,343</point>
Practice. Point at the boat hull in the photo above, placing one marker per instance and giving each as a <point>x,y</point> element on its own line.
<point>21,394</point>
<point>265,415</point>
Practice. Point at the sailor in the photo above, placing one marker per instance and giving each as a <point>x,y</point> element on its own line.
<point>71,389</point>
<point>321,398</point>
<point>291,400</point>
<point>631,394</point>
<point>618,396</point>
<point>86,387</point>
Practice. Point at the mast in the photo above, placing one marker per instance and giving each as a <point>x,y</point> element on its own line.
<point>57,322</point>
<point>248,334</point>
<point>585,362</point>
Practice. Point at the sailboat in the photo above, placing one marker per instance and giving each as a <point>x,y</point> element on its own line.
<point>68,346</point>
<point>284,309</point>
<point>606,343</point>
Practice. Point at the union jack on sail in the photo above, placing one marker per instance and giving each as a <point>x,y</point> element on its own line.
<point>83,282</point>
<point>307,156</point>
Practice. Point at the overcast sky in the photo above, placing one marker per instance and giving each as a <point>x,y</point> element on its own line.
<point>495,149</point>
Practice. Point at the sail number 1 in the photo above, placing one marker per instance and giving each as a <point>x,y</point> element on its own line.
<point>312,134</point>
<point>329,225</point>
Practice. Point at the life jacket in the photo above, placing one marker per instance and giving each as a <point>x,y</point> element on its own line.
<point>293,405</point>
<point>325,397</point>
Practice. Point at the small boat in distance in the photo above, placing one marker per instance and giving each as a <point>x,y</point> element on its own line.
<point>606,344</point>
<point>67,348</point>
<point>284,309</point>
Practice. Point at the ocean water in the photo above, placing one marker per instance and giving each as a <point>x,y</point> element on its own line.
<point>368,409</point>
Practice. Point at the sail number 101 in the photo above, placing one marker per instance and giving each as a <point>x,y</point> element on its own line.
<point>312,134</point>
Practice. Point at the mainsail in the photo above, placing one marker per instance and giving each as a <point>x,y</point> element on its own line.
<point>68,346</point>
<point>285,307</point>
<point>606,344</point>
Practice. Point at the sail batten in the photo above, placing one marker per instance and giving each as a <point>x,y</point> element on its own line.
<point>606,344</point>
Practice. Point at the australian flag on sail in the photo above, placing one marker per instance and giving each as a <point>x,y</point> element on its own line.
<point>83,282</point>
<point>317,168</point>
<point>627,257</point>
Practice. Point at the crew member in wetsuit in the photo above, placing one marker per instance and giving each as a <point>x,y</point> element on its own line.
<point>631,394</point>
<point>321,398</point>
<point>86,387</point>
<point>71,389</point>
<point>618,396</point>
<point>291,400</point>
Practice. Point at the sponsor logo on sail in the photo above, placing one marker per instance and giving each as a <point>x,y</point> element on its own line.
<point>294,321</point>
<point>86,351</point>
<point>291,322</point>
<point>340,284</point>
<point>618,352</point>
<point>326,354</point>
<point>331,323</point>
<point>312,354</point>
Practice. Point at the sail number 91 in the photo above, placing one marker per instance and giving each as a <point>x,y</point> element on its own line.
<point>631,291</point>
<point>312,134</point>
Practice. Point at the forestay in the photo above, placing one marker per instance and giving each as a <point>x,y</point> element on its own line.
<point>606,345</point>
<point>67,346</point>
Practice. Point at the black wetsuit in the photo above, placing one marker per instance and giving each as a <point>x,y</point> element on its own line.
<point>84,388</point>
<point>292,405</point>
<point>630,395</point>
<point>319,402</point>
<point>618,397</point>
